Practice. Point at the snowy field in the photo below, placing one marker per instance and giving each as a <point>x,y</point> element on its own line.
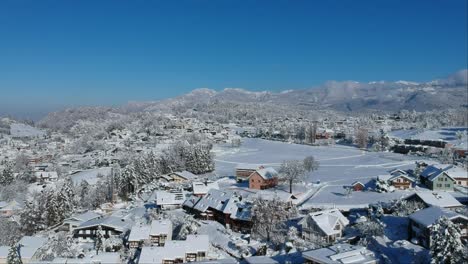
<point>22,130</point>
<point>339,165</point>
<point>447,134</point>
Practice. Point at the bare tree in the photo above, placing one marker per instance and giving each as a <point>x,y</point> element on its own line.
<point>269,219</point>
<point>292,171</point>
<point>310,164</point>
<point>362,137</point>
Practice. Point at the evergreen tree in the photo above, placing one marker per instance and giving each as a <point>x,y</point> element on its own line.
<point>33,217</point>
<point>53,210</point>
<point>446,244</point>
<point>83,192</point>
<point>99,245</point>
<point>7,177</point>
<point>14,256</point>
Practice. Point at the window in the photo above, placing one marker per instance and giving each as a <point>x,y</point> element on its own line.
<point>445,179</point>
<point>447,185</point>
<point>439,185</point>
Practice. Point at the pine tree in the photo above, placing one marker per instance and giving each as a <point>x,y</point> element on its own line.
<point>14,256</point>
<point>7,177</point>
<point>99,240</point>
<point>53,211</point>
<point>446,244</point>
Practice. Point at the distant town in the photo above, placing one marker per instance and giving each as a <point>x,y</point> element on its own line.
<point>225,183</point>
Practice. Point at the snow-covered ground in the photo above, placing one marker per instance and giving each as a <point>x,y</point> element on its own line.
<point>447,134</point>
<point>22,130</point>
<point>339,165</point>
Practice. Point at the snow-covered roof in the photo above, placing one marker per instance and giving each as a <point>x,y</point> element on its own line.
<point>139,233</point>
<point>29,246</point>
<point>398,172</point>
<point>83,217</point>
<point>91,176</point>
<point>441,199</point>
<point>101,258</point>
<point>175,249</point>
<point>433,171</point>
<point>186,175</point>
<point>32,241</point>
<point>159,227</point>
<point>394,176</point>
<point>191,201</point>
<point>326,220</point>
<point>267,173</point>
<point>117,223</point>
<point>457,172</point>
<point>169,198</point>
<point>46,174</point>
<point>261,260</point>
<point>202,188</point>
<point>238,209</point>
<point>428,216</point>
<point>215,199</point>
<point>340,253</point>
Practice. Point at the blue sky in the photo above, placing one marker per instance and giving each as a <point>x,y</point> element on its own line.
<point>59,53</point>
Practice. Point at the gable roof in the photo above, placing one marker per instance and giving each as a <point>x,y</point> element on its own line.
<point>433,171</point>
<point>266,173</point>
<point>326,220</point>
<point>357,182</point>
<point>202,188</point>
<point>117,223</point>
<point>186,175</point>
<point>215,199</point>
<point>441,199</point>
<point>429,216</point>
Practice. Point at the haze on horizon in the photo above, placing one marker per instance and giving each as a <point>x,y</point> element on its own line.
<point>57,54</point>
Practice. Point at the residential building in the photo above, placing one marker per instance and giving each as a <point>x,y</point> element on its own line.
<point>328,225</point>
<point>28,249</point>
<point>161,231</point>
<point>183,176</point>
<point>399,179</point>
<point>76,220</point>
<point>111,226</point>
<point>441,199</point>
<point>168,199</point>
<point>139,235</point>
<point>202,188</point>
<point>438,177</point>
<point>421,221</point>
<point>46,175</point>
<point>194,248</point>
<point>339,254</point>
<point>358,186</point>
<point>243,171</point>
<point>264,178</point>
<point>225,207</point>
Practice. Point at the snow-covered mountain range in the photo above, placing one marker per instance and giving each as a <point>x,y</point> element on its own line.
<point>343,96</point>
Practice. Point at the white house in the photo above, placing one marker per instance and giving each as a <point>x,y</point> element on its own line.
<point>328,224</point>
<point>339,254</point>
<point>194,248</point>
